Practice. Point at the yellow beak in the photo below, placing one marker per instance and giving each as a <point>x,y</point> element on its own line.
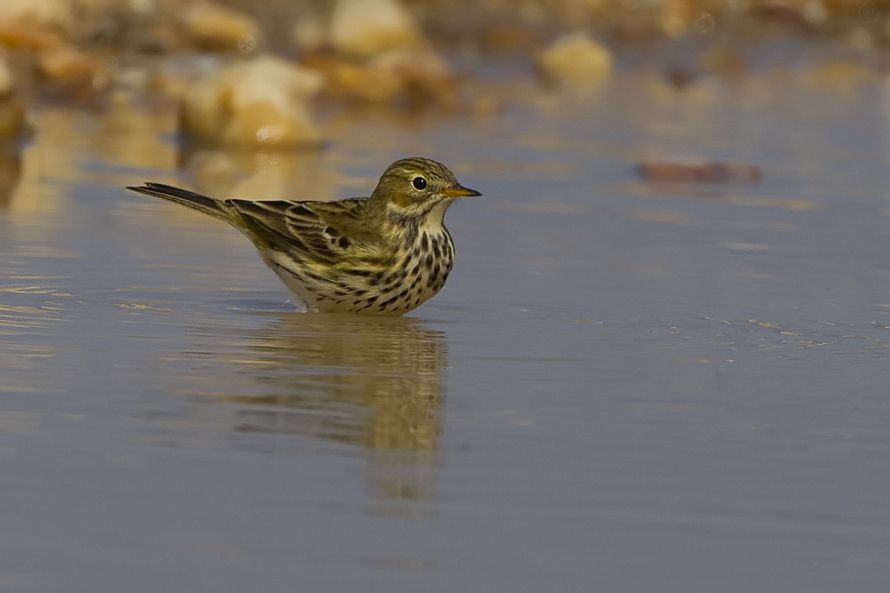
<point>460,191</point>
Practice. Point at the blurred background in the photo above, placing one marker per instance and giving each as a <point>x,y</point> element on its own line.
<point>660,363</point>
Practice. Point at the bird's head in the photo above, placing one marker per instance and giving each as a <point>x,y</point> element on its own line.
<point>417,187</point>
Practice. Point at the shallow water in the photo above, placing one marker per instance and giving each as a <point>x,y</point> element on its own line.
<point>624,386</point>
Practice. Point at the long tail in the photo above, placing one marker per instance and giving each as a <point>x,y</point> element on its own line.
<point>205,204</point>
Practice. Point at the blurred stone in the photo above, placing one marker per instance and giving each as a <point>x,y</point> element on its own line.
<point>861,38</point>
<point>28,37</point>
<point>373,51</point>
<point>508,36</point>
<point>367,27</point>
<point>155,38</point>
<point>355,80</point>
<point>54,60</point>
<point>575,60</point>
<point>214,27</point>
<point>424,75</point>
<point>310,34</point>
<point>69,65</point>
<point>175,75</point>
<point>414,76</point>
<point>694,171</point>
<point>676,17</point>
<point>262,102</point>
<point>783,14</point>
<point>815,12</point>
<point>54,14</point>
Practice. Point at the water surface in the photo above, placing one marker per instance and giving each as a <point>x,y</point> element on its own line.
<point>624,386</point>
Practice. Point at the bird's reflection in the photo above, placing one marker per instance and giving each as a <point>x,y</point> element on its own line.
<point>372,382</point>
<point>261,174</point>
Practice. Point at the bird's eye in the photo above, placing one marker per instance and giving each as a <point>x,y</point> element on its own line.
<point>418,182</point>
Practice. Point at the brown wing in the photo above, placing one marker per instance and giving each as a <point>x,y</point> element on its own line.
<point>315,231</point>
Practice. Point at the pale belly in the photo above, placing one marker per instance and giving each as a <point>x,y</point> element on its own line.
<point>395,291</point>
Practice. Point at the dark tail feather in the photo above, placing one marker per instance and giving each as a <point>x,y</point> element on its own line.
<point>198,202</point>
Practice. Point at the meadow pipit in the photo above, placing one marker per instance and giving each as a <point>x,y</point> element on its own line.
<point>387,253</point>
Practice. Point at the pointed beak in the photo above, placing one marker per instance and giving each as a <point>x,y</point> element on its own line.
<point>460,191</point>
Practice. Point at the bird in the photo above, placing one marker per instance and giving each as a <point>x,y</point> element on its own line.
<point>387,253</point>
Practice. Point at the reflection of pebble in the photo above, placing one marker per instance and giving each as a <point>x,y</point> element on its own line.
<point>12,112</point>
<point>6,85</point>
<point>10,170</point>
<point>12,117</point>
<point>270,174</point>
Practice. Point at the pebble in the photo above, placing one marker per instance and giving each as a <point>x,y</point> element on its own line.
<point>213,27</point>
<point>575,60</point>
<point>699,171</point>
<point>54,14</point>
<point>396,75</point>
<point>368,27</point>
<point>68,65</point>
<point>261,102</point>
